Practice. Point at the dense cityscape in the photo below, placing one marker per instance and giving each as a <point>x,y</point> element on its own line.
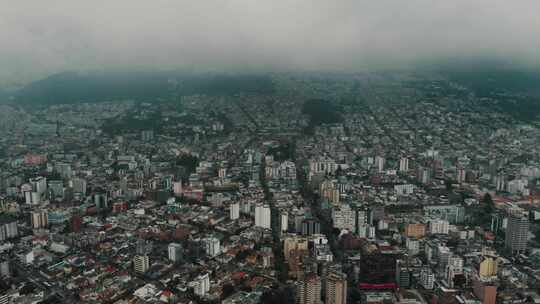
<point>363,188</point>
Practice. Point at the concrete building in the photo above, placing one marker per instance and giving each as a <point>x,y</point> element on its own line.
<point>439,227</point>
<point>308,290</point>
<point>361,218</point>
<point>486,291</point>
<point>147,135</point>
<point>234,211</point>
<point>329,191</point>
<point>263,216</point>
<point>39,184</point>
<point>516,186</point>
<point>201,285</point>
<point>175,252</point>
<point>8,228</point>
<point>56,188</point>
<point>488,268</point>
<point>427,278</point>
<point>212,246</point>
<point>141,263</point>
<point>379,163</point>
<point>39,219</point>
<point>27,257</point>
<point>517,231</point>
<point>32,197</point>
<point>283,220</point>
<point>78,185</point>
<point>311,227</point>
<point>403,164</point>
<point>454,214</point>
<point>343,217</point>
<point>5,269</point>
<point>366,231</point>
<point>416,230</point>
<point>423,175</point>
<point>336,288</point>
<point>177,188</point>
<point>294,243</point>
<point>322,165</point>
<point>413,246</point>
<point>404,189</point>
<point>403,274</point>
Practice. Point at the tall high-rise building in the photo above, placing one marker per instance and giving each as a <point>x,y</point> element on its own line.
<point>175,252</point>
<point>488,268</point>
<point>8,228</point>
<point>222,172</point>
<point>460,175</point>
<point>329,191</point>
<point>439,227</point>
<point>376,213</point>
<point>283,220</point>
<point>343,217</point>
<point>311,227</point>
<point>403,164</point>
<point>500,182</point>
<point>361,218</point>
<point>32,197</point>
<point>234,211</point>
<point>147,135</point>
<point>517,230</point>
<point>5,269</point>
<point>486,291</point>
<point>336,288</point>
<point>427,278</point>
<point>56,188</point>
<point>212,246</point>
<point>177,188</point>
<point>413,246</point>
<point>39,184</point>
<point>78,185</point>
<point>321,165</point>
<point>294,243</point>
<point>403,274</point>
<point>63,169</point>
<point>404,189</point>
<point>263,216</point>
<point>143,247</point>
<point>423,175</point>
<point>379,163</point>
<point>39,219</point>
<point>309,290</point>
<point>100,199</point>
<point>201,285</point>
<point>454,268</point>
<point>141,263</point>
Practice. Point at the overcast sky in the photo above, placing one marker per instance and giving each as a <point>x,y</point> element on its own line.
<point>47,36</point>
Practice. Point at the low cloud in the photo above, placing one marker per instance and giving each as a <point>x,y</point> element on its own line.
<point>44,37</point>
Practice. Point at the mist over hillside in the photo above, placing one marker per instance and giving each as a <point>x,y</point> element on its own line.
<point>511,88</point>
<point>487,78</point>
<point>72,87</point>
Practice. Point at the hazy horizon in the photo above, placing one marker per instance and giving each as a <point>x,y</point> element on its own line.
<point>42,38</point>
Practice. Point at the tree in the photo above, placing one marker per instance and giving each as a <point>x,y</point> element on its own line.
<point>448,185</point>
<point>228,290</point>
<point>283,295</point>
<point>489,206</point>
<point>189,162</point>
<point>482,214</point>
